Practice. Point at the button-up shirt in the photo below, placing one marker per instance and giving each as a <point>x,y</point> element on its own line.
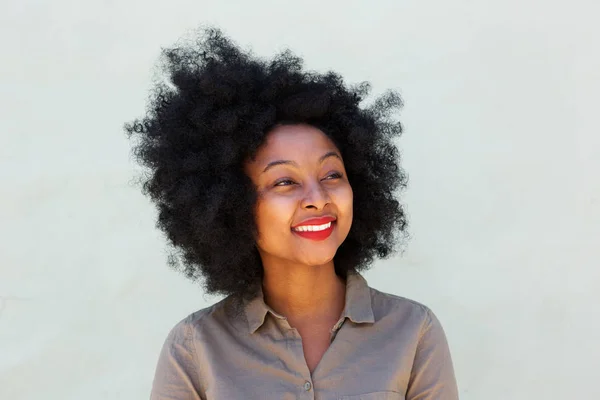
<point>383,347</point>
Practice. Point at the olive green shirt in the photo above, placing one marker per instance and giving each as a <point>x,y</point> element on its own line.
<point>384,347</point>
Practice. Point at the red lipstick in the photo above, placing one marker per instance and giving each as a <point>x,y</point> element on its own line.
<point>321,234</point>
<point>316,221</point>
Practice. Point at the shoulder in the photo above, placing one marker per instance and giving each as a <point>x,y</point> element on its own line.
<point>211,317</point>
<point>407,312</point>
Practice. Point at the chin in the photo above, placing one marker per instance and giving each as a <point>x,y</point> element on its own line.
<point>317,260</point>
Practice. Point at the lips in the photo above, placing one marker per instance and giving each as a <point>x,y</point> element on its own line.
<point>318,221</point>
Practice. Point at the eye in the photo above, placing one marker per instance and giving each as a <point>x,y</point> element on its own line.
<point>284,182</point>
<point>335,175</point>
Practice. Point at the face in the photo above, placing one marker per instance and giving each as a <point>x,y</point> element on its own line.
<point>299,175</point>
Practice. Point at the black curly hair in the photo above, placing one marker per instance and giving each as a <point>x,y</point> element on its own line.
<point>212,114</point>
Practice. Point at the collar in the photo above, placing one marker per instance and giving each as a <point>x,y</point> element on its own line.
<point>357,305</point>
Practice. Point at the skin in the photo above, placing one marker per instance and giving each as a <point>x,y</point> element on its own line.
<point>299,275</point>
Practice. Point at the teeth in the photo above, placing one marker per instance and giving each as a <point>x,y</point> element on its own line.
<point>312,228</point>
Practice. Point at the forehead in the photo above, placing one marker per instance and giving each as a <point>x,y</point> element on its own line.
<point>294,140</point>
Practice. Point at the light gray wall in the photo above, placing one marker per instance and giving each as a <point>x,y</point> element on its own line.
<point>501,143</point>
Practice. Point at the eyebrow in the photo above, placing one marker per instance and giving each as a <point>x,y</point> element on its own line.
<point>290,162</point>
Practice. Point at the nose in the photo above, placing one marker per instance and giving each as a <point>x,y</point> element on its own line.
<point>316,196</point>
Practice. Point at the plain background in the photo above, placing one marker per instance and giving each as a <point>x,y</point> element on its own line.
<point>501,143</point>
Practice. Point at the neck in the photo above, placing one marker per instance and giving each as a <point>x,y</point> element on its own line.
<point>304,293</point>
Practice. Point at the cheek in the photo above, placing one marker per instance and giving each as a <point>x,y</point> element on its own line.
<point>274,213</point>
<point>344,199</point>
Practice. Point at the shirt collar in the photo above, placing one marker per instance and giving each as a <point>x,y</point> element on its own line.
<point>357,306</point>
<point>358,299</point>
<point>256,311</point>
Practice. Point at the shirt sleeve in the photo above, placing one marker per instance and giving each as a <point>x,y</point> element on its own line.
<point>176,376</point>
<point>432,376</point>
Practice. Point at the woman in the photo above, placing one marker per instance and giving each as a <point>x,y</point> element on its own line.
<point>277,188</point>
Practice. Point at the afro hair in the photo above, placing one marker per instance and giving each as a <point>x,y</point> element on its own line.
<point>212,113</point>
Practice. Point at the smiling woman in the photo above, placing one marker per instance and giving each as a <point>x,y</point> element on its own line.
<point>304,179</point>
<point>277,188</point>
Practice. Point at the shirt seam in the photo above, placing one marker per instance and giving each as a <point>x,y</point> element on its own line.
<point>194,355</point>
<point>190,321</point>
<point>425,326</point>
<point>427,320</point>
<point>394,296</point>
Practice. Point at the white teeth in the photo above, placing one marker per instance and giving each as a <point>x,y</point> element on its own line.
<point>312,228</point>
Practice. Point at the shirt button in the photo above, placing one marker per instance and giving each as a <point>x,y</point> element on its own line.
<point>307,386</point>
